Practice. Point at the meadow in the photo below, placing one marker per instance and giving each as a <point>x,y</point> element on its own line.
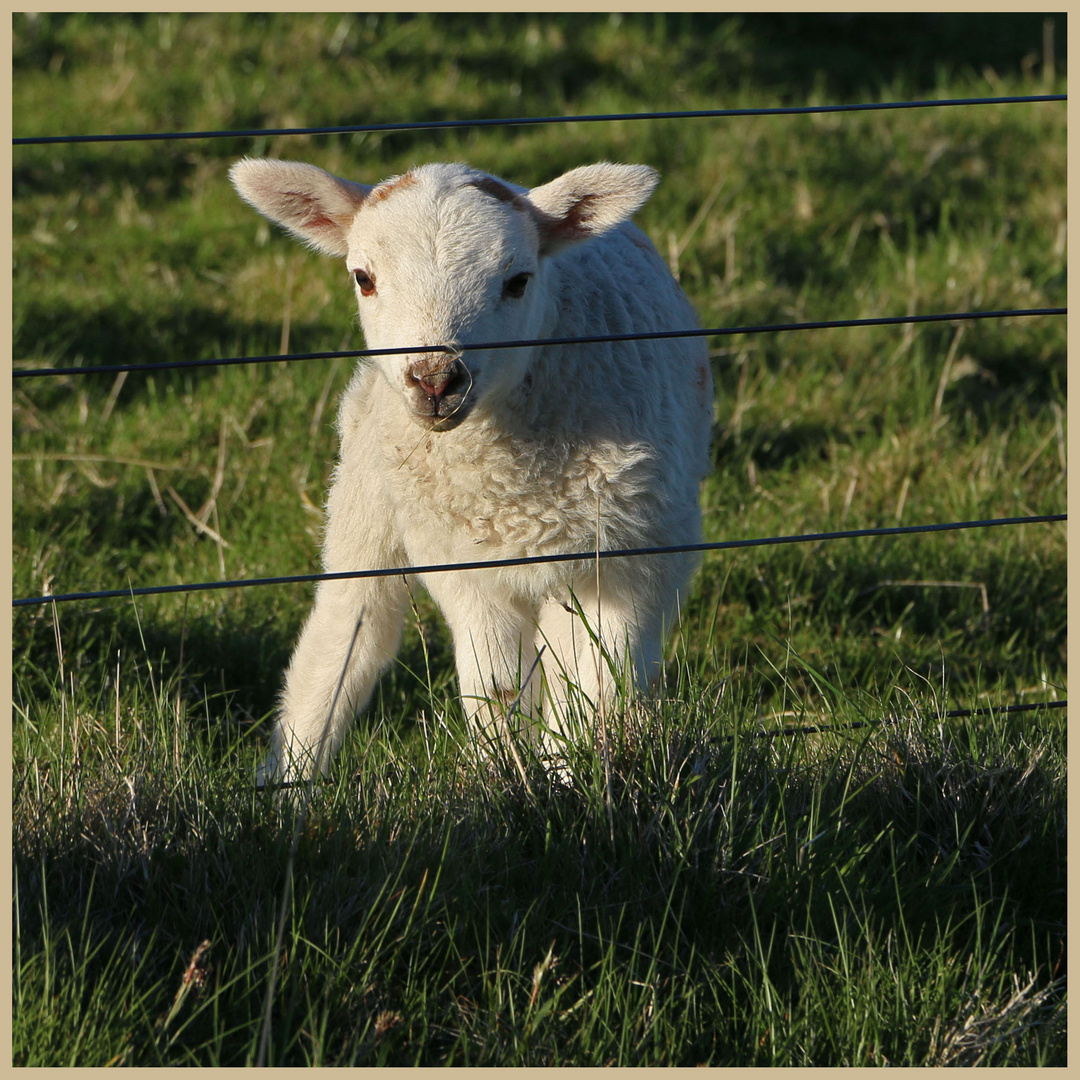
<point>793,856</point>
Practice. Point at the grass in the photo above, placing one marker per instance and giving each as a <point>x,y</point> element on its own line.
<point>705,892</point>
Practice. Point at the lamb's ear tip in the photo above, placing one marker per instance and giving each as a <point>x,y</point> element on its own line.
<point>244,168</point>
<point>637,175</point>
<point>647,174</point>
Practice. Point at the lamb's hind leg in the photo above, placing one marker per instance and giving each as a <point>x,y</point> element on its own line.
<point>599,647</point>
<point>494,651</point>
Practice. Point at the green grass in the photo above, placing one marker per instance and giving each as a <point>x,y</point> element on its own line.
<point>893,892</point>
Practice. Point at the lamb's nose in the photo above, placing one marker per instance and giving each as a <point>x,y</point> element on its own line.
<point>435,381</point>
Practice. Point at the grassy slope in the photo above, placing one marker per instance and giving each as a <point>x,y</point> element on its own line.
<point>724,897</point>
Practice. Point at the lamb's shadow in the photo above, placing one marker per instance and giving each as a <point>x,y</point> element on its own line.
<point>664,866</point>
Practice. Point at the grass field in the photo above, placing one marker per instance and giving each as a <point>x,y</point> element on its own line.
<point>887,891</point>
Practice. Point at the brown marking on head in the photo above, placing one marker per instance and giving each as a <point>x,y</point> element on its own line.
<point>497,189</point>
<point>388,187</point>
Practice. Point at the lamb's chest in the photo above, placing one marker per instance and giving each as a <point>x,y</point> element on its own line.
<point>503,497</point>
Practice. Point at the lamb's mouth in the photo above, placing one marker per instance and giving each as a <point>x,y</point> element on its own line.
<point>440,393</point>
<point>440,416</point>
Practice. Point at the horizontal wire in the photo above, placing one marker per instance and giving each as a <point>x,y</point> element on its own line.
<point>716,331</point>
<point>529,560</point>
<point>434,125</point>
<point>950,714</point>
<point>811,729</point>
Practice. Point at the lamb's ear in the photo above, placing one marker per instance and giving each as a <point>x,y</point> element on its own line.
<point>588,201</point>
<point>314,206</point>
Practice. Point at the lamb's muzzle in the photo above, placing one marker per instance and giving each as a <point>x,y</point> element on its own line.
<point>446,378</point>
<point>440,386</point>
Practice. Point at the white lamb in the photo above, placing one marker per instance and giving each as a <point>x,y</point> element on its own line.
<point>472,455</point>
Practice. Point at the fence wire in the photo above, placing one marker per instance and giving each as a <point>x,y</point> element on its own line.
<point>530,560</point>
<point>715,331</point>
<point>521,121</point>
<point>774,733</point>
<point>894,721</point>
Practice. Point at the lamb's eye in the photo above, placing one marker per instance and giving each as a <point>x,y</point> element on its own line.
<point>365,281</point>
<point>515,287</point>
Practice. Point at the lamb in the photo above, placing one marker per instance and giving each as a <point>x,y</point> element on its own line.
<point>484,454</point>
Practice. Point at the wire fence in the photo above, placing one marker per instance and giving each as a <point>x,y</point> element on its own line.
<point>522,121</point>
<point>535,560</point>
<point>590,339</point>
<point>766,733</point>
<point>19,373</point>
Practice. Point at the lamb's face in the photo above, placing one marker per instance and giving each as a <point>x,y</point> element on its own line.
<point>447,256</point>
<point>448,260</point>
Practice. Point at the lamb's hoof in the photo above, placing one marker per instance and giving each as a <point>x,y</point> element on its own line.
<point>558,770</point>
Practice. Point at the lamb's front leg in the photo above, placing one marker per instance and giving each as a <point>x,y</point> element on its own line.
<point>326,685</point>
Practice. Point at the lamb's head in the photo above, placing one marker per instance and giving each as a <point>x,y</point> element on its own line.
<point>447,256</point>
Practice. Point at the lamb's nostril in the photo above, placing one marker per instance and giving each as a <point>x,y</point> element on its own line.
<point>438,382</point>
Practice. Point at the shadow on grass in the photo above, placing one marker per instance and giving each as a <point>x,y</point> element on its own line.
<point>159,171</point>
<point>225,665</point>
<point>991,607</point>
<point>858,50</point>
<point>115,334</point>
<point>222,661</point>
<point>433,900</point>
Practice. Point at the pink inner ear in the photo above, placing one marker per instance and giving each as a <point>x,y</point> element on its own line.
<point>561,231</point>
<point>303,206</point>
<point>573,225</point>
<point>581,213</point>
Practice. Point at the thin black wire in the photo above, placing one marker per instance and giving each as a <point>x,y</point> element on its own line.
<point>950,714</point>
<point>529,560</point>
<point>810,729</point>
<point>716,331</point>
<point>435,125</point>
